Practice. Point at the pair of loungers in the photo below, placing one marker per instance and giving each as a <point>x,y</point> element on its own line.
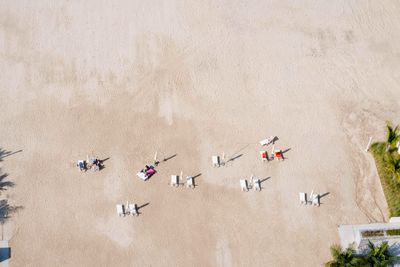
<point>94,164</point>
<point>314,199</point>
<point>129,209</point>
<point>277,154</point>
<point>256,184</point>
<point>189,181</point>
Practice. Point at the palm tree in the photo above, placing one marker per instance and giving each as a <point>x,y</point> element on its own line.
<point>342,258</point>
<point>378,256</point>
<point>395,165</point>
<point>392,135</point>
<point>4,184</point>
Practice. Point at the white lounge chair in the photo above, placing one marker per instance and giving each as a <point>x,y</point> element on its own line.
<point>175,180</point>
<point>133,209</point>
<point>244,185</point>
<point>257,185</point>
<point>216,161</point>
<point>142,175</point>
<point>267,141</point>
<point>315,199</point>
<point>303,198</point>
<point>190,181</point>
<point>120,210</point>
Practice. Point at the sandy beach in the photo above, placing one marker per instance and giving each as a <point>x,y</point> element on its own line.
<point>121,80</point>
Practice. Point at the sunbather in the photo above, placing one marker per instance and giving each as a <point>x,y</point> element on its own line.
<point>150,172</point>
<point>147,172</point>
<point>82,165</point>
<point>96,164</point>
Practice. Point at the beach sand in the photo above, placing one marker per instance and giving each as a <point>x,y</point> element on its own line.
<point>192,78</point>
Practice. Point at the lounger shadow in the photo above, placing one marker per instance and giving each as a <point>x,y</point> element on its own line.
<point>170,157</point>
<point>140,207</point>
<point>235,157</point>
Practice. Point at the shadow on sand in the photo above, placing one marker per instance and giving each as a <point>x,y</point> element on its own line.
<point>142,206</point>
<point>170,157</point>
<point>5,253</point>
<point>4,153</point>
<point>6,210</point>
<point>233,158</point>
<point>263,180</point>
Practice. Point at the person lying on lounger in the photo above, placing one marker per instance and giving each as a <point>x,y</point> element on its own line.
<point>82,165</point>
<point>149,170</point>
<point>96,164</point>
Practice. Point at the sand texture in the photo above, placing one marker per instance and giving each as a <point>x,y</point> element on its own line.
<point>123,79</point>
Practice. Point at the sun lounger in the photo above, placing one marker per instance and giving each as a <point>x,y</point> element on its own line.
<point>278,154</point>
<point>315,199</point>
<point>303,198</point>
<point>142,175</point>
<point>264,155</point>
<point>257,184</point>
<point>96,167</point>
<point>132,208</point>
<point>216,161</point>
<point>82,165</point>
<point>190,181</point>
<point>121,210</point>
<point>175,180</point>
<point>146,173</point>
<point>267,141</point>
<point>244,185</point>
<point>95,164</point>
